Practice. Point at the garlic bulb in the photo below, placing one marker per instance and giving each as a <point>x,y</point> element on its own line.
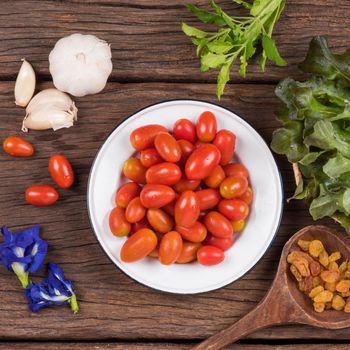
<point>80,64</point>
<point>48,109</point>
<point>25,84</point>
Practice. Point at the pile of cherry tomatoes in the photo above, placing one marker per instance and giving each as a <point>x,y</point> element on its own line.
<point>185,201</point>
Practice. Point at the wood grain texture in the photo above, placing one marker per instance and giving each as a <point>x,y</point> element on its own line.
<point>146,38</point>
<point>112,305</point>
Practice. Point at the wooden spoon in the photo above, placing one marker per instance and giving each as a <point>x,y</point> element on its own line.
<point>284,303</point>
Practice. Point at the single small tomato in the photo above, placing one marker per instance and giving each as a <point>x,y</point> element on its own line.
<point>139,245</point>
<point>199,143</point>
<point>61,171</point>
<point>160,220</point>
<point>185,129</point>
<point>195,234</point>
<point>238,226</point>
<point>167,147</point>
<point>186,185</point>
<point>143,137</point>
<point>215,178</point>
<point>235,169</point>
<point>143,223</point>
<point>149,157</point>
<point>247,196</point>
<point>126,193</point>
<point>135,211</point>
<point>202,162</point>
<point>170,248</point>
<point>164,174</point>
<point>234,209</point>
<point>134,170</point>
<point>41,195</point>
<point>209,255</point>
<point>17,147</point>
<point>188,252</point>
<point>156,196</point>
<point>208,198</point>
<point>170,207</point>
<point>218,225</point>
<point>206,127</point>
<point>225,141</point>
<point>222,243</point>
<point>186,149</point>
<point>154,253</point>
<point>187,209</point>
<point>118,224</point>
<point>233,186</point>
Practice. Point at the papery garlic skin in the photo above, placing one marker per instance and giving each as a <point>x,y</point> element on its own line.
<point>25,84</point>
<point>48,109</point>
<point>80,64</point>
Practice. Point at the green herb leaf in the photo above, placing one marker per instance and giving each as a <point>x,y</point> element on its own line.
<point>223,78</point>
<point>271,51</point>
<point>192,31</point>
<point>219,47</point>
<point>206,16</point>
<point>337,166</point>
<point>213,60</point>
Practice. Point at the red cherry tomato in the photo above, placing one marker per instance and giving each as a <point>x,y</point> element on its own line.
<point>215,178</point>
<point>206,127</point>
<point>167,147</point>
<point>186,149</point>
<point>61,171</point>
<point>188,252</point>
<point>118,224</point>
<point>170,207</point>
<point>209,255</point>
<point>134,170</point>
<point>222,243</point>
<point>149,157</point>
<point>187,209</point>
<point>218,225</point>
<point>126,193</point>
<point>202,162</point>
<point>234,209</point>
<point>233,186</point>
<point>238,226</point>
<point>247,196</point>
<point>143,223</point>
<point>17,147</point>
<point>139,245</point>
<point>236,169</point>
<point>186,185</point>
<point>170,248</point>
<point>208,198</point>
<point>195,234</point>
<point>41,195</point>
<point>185,129</point>
<point>225,141</point>
<point>160,220</point>
<point>164,174</point>
<point>135,211</point>
<point>156,196</point>
<point>143,137</point>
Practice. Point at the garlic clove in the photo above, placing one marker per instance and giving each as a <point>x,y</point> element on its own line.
<point>25,84</point>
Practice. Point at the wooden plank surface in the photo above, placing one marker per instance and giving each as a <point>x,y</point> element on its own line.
<point>112,305</point>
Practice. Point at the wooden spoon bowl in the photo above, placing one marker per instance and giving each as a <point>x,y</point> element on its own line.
<point>285,303</point>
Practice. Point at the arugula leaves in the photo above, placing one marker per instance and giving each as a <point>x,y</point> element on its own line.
<point>236,38</point>
<point>316,131</point>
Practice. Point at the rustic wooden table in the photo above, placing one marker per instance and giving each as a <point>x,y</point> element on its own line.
<point>153,61</point>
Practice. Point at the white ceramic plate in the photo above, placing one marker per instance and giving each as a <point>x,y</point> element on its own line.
<point>248,249</point>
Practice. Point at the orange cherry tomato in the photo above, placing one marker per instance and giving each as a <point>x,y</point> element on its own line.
<point>206,127</point>
<point>61,171</point>
<point>139,245</point>
<point>156,196</point>
<point>167,147</point>
<point>185,129</point>
<point>149,157</point>
<point>186,149</point>
<point>126,193</point>
<point>222,243</point>
<point>143,137</point>
<point>247,196</point>
<point>170,248</point>
<point>186,185</point>
<point>154,253</point>
<point>41,195</point>
<point>236,169</point>
<point>225,141</point>
<point>164,174</point>
<point>215,178</point>
<point>238,226</point>
<point>187,209</point>
<point>234,209</point>
<point>188,252</point>
<point>209,255</point>
<point>208,198</point>
<point>118,224</point>
<point>202,162</point>
<point>195,234</point>
<point>160,220</point>
<point>134,170</point>
<point>218,225</point>
<point>233,186</point>
<point>135,211</point>
<point>17,147</point>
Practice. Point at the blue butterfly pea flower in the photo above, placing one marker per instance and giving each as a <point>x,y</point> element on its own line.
<point>22,252</point>
<point>54,290</point>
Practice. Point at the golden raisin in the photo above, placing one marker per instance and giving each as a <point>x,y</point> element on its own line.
<point>345,295</point>
<point>334,256</point>
<point>346,275</point>
<point>304,245</point>
<point>333,266</point>
<point>323,258</point>
<point>343,266</point>
<point>296,273</point>
<point>315,248</point>
<point>330,276</point>
<point>347,307</point>
<point>343,286</point>
<point>319,307</point>
<point>338,302</point>
<point>330,286</point>
<point>323,297</point>
<point>316,291</point>
<point>317,281</point>
<point>301,285</point>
